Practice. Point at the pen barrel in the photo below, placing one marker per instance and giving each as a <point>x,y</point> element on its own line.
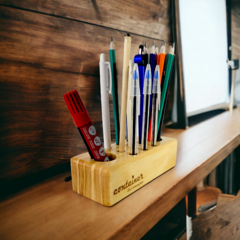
<point>154,119</point>
<point>115,94</point>
<point>103,80</point>
<point>106,123</point>
<point>134,124</point>
<point>126,58</point>
<point>145,121</point>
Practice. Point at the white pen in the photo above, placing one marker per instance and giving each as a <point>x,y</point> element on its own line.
<point>106,89</point>
<point>156,96</point>
<point>135,108</point>
<point>147,94</point>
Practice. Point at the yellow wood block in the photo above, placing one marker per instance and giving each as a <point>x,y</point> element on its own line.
<point>109,182</point>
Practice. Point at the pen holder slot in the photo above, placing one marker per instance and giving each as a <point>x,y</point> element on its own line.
<point>109,182</point>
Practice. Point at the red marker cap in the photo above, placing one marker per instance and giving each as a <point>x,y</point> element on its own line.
<point>77,109</point>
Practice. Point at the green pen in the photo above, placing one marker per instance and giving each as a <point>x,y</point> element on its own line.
<point>169,62</point>
<point>114,89</point>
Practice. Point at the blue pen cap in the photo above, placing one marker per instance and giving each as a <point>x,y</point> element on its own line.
<point>139,59</point>
<point>156,80</point>
<point>147,80</point>
<point>135,90</point>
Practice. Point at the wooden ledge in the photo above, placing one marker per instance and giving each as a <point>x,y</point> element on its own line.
<point>51,210</point>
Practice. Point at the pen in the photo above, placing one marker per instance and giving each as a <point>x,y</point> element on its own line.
<point>114,89</point>
<point>126,58</point>
<point>161,60</point>
<point>129,115</point>
<point>135,109</point>
<point>147,95</point>
<point>85,126</point>
<point>141,60</point>
<point>169,61</point>
<point>156,94</point>
<point>164,107</point>
<point>106,88</point>
<point>153,64</point>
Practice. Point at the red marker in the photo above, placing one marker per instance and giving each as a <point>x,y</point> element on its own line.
<point>85,126</point>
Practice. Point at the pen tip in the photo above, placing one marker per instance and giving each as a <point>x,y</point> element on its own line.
<point>127,34</point>
<point>111,38</point>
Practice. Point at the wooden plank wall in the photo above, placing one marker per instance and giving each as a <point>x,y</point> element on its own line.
<point>48,48</point>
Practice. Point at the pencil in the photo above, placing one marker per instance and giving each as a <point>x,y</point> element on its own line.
<point>126,58</point>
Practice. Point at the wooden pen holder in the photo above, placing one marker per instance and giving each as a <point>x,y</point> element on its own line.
<point>109,182</point>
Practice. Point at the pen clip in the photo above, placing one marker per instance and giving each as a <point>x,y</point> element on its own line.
<point>109,77</point>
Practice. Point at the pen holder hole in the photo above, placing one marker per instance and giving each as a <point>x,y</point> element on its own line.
<point>111,156</point>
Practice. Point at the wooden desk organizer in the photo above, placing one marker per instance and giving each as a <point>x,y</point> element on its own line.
<point>109,182</point>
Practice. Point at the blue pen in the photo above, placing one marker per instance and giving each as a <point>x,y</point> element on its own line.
<point>147,95</point>
<point>140,60</point>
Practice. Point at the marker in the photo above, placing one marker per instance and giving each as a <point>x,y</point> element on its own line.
<point>106,89</point>
<point>85,126</point>
<point>147,94</point>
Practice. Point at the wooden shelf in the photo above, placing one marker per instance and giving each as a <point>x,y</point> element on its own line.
<point>51,210</point>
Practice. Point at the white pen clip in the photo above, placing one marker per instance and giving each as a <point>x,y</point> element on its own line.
<point>109,77</point>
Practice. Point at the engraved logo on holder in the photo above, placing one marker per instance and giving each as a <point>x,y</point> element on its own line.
<point>129,184</point>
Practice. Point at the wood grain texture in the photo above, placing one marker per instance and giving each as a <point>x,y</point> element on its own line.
<point>221,222</point>
<point>36,124</point>
<point>148,18</point>
<point>59,213</point>
<point>59,44</point>
<point>42,57</point>
<point>109,182</point>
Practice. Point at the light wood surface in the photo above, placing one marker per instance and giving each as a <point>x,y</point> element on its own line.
<point>109,182</point>
<point>51,210</point>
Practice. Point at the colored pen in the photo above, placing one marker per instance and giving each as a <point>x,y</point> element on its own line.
<point>85,126</point>
<point>114,90</point>
<point>153,64</point>
<point>164,106</point>
<point>106,88</point>
<point>165,88</point>
<point>126,58</point>
<point>147,94</point>
<point>140,59</point>
<point>161,60</point>
<point>156,95</point>
<point>135,108</point>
